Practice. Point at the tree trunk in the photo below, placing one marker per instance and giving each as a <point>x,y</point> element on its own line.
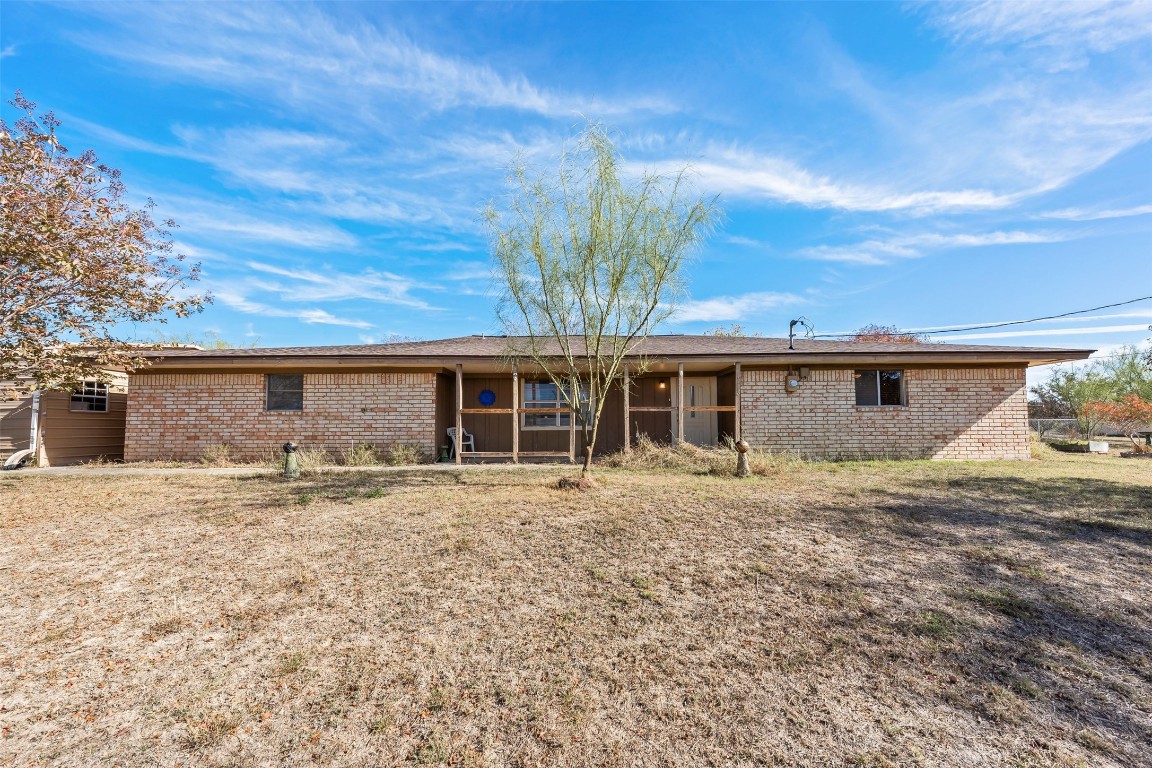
<point>587,468</point>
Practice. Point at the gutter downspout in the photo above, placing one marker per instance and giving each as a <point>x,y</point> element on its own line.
<point>34,431</point>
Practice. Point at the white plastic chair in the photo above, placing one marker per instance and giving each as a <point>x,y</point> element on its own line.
<point>468,443</point>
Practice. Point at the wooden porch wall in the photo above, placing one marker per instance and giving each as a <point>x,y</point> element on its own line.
<point>445,407</point>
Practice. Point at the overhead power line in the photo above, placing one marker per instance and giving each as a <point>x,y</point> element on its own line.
<point>1000,325</point>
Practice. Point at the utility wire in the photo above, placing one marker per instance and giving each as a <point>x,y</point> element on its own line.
<point>999,325</point>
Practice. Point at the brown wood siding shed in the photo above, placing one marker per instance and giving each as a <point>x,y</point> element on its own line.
<point>15,426</point>
<point>74,437</point>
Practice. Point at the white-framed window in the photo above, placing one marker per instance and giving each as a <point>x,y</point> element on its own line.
<point>90,396</point>
<point>544,394</point>
<point>876,388</point>
<point>284,392</point>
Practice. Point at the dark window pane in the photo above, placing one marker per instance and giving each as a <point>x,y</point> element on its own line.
<point>285,392</point>
<point>891,388</point>
<point>92,396</point>
<point>866,393</point>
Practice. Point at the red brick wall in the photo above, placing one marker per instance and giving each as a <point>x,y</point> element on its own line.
<point>179,416</point>
<point>951,413</point>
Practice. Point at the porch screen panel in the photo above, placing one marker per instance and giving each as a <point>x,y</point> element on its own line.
<point>544,394</point>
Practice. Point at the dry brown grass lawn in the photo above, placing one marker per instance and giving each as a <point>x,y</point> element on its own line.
<point>828,614</point>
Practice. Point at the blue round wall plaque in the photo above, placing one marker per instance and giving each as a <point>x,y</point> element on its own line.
<point>487,398</point>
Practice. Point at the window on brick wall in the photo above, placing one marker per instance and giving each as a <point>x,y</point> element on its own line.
<point>284,392</point>
<point>91,396</point>
<point>879,388</point>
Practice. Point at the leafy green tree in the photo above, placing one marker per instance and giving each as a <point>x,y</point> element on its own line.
<point>1130,372</point>
<point>590,263</point>
<point>75,260</point>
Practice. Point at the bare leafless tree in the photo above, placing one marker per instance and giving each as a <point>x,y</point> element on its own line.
<point>590,264</point>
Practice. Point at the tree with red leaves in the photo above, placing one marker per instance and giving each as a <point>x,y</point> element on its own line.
<point>1131,415</point>
<point>874,332</point>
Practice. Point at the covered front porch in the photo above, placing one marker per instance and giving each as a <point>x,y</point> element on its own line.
<point>518,415</point>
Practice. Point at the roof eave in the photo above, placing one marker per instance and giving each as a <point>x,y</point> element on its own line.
<point>993,357</point>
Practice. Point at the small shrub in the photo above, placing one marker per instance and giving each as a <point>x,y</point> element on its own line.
<point>218,456</point>
<point>362,455</point>
<point>406,455</point>
<point>313,458</point>
<point>1039,449</point>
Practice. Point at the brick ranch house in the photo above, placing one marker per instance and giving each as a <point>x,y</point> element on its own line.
<point>822,399</point>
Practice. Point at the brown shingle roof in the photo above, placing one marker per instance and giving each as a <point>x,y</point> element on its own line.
<point>679,346</point>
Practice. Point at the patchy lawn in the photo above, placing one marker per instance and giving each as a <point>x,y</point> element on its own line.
<point>827,614</point>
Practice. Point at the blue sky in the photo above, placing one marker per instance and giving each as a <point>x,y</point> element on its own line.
<point>915,165</point>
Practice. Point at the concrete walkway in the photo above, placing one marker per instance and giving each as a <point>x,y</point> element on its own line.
<point>129,470</point>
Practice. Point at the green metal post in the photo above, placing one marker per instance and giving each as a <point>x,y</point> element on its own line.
<point>291,462</point>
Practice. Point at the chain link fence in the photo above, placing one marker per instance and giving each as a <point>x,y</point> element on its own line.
<point>1055,429</point>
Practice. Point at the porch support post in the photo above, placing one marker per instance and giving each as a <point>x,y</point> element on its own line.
<point>572,436</point>
<point>680,402</point>
<point>737,387</point>
<point>459,416</point>
<point>515,416</point>
<point>627,410</point>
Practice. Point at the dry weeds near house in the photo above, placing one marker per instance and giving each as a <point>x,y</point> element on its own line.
<point>835,614</point>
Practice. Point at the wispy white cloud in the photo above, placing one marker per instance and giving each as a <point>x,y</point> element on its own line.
<point>200,217</point>
<point>435,246</point>
<point>1074,28</point>
<point>470,271</point>
<point>201,254</point>
<point>1094,214</point>
<point>746,242</point>
<point>993,141</point>
<point>991,150</point>
<point>875,252</point>
<point>8,50</point>
<point>727,308</point>
<point>304,57</point>
<point>332,285</point>
<point>311,316</point>
<point>742,173</point>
